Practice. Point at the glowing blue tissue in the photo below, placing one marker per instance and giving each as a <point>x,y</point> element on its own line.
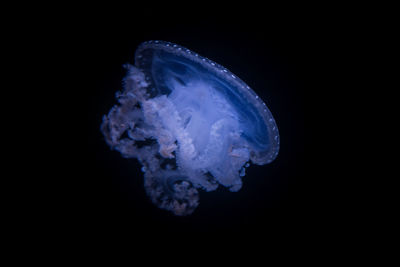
<point>190,122</point>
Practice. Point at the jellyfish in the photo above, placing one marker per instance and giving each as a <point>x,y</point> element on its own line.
<point>190,122</point>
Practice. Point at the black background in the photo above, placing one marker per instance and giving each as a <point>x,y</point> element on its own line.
<point>290,62</point>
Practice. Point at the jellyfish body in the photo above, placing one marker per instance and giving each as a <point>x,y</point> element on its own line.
<point>190,122</point>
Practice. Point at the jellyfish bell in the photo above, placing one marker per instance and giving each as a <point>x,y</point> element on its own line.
<point>198,114</point>
<point>172,68</point>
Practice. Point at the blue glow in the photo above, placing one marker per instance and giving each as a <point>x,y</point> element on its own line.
<point>190,122</point>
